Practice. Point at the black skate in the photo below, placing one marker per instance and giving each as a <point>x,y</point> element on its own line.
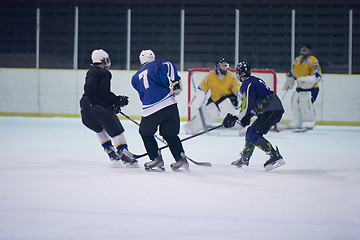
<point>182,164</point>
<point>243,162</point>
<point>128,158</point>
<point>111,151</point>
<point>156,165</point>
<point>275,161</point>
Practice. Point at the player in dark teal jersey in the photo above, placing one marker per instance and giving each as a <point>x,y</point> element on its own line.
<point>260,101</point>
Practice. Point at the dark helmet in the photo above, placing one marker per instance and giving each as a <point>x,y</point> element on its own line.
<point>306,47</point>
<point>222,70</point>
<point>243,69</point>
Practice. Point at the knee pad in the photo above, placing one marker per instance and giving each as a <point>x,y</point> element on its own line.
<point>253,135</point>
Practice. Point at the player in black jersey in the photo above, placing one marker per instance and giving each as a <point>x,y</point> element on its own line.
<point>99,107</point>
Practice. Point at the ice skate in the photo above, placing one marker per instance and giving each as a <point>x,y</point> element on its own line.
<point>243,162</point>
<point>156,165</point>
<point>275,160</point>
<point>128,158</point>
<point>182,164</point>
<point>111,151</point>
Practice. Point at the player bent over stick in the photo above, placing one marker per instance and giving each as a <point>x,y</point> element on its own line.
<point>157,83</point>
<point>258,100</point>
<point>98,104</point>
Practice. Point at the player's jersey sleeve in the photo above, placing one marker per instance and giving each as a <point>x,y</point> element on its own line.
<point>168,69</point>
<point>204,84</point>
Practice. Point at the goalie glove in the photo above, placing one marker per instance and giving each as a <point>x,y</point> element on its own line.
<point>176,87</point>
<point>290,81</point>
<point>230,120</point>
<point>308,82</point>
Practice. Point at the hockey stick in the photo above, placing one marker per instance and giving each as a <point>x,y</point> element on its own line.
<point>183,140</point>
<point>205,164</point>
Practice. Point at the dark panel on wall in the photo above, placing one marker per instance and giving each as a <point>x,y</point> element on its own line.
<point>265,32</point>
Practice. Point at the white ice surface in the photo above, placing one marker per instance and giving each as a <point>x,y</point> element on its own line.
<point>57,183</point>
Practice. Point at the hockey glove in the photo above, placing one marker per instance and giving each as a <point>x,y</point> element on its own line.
<point>229,120</point>
<point>115,109</point>
<point>245,120</point>
<point>176,87</point>
<point>290,81</point>
<point>122,101</point>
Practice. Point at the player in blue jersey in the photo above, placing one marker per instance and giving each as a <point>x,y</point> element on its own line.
<point>258,100</point>
<point>157,83</point>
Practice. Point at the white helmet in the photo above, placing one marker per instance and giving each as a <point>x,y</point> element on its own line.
<point>101,56</point>
<point>146,56</point>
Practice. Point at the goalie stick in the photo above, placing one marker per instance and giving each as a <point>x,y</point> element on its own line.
<point>205,164</point>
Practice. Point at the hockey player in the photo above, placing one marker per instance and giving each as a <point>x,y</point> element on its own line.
<point>224,88</point>
<point>258,100</point>
<point>157,83</point>
<point>97,106</point>
<point>306,70</point>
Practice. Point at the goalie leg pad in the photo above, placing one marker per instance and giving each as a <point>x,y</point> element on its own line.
<point>296,122</point>
<point>226,107</point>
<point>198,100</point>
<point>306,110</point>
<point>211,112</point>
<point>194,125</point>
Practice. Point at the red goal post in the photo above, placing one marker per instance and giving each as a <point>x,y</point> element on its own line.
<point>268,75</point>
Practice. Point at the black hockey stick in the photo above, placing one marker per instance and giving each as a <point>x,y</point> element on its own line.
<point>205,164</point>
<point>182,140</point>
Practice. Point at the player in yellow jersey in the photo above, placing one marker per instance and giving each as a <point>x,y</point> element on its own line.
<point>306,70</point>
<point>224,89</point>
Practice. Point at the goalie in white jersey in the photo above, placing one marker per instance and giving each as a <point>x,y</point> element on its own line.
<point>306,70</point>
<point>224,88</point>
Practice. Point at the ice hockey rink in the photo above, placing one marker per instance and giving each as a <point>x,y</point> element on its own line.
<point>57,183</point>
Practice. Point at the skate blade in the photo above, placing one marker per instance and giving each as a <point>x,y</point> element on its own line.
<point>241,168</point>
<point>117,164</point>
<point>155,169</point>
<point>277,164</point>
<point>131,165</point>
<point>181,169</point>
